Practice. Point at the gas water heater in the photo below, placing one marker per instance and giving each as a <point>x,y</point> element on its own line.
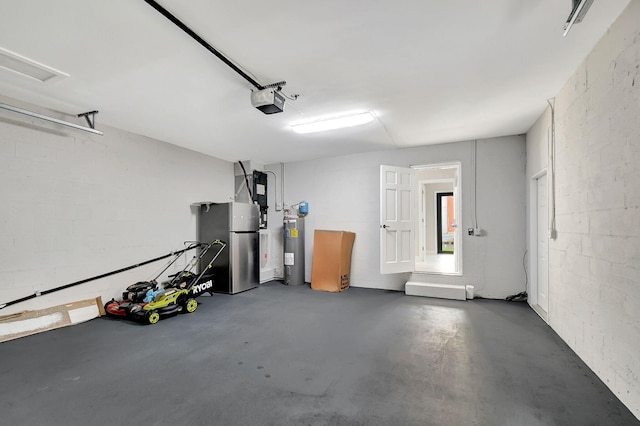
<point>294,245</point>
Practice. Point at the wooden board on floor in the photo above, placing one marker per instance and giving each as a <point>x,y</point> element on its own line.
<point>31,322</point>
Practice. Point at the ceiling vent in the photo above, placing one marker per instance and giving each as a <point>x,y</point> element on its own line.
<point>25,67</point>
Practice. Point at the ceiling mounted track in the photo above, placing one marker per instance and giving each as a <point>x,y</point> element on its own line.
<point>578,11</point>
<point>57,121</point>
<point>210,48</point>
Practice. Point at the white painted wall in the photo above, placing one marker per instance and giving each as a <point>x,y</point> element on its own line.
<point>76,205</point>
<point>343,194</point>
<point>594,276</point>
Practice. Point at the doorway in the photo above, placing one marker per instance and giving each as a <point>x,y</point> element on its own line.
<point>539,245</point>
<point>438,249</point>
<point>445,220</point>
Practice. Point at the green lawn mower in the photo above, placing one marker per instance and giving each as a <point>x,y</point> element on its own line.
<point>177,295</point>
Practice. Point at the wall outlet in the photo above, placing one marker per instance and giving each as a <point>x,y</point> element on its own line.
<point>477,232</point>
<point>470,231</point>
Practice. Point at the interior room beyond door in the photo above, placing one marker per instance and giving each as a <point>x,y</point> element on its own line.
<point>445,222</point>
<point>438,248</point>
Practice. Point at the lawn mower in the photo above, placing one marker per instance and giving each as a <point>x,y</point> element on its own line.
<point>177,295</point>
<point>137,292</point>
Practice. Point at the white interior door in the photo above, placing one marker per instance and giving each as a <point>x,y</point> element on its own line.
<point>542,243</point>
<point>397,224</point>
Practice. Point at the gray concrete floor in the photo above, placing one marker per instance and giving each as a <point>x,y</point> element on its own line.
<point>281,355</point>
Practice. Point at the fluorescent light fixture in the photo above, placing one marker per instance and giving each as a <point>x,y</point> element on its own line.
<point>334,123</point>
<point>580,8</point>
<point>26,67</point>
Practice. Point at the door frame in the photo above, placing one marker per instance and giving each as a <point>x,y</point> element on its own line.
<point>457,193</point>
<point>421,230</point>
<point>533,246</point>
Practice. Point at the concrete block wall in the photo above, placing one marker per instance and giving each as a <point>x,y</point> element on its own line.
<point>594,265</point>
<point>76,205</point>
<point>344,194</point>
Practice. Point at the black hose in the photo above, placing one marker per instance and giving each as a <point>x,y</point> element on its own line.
<point>97,277</point>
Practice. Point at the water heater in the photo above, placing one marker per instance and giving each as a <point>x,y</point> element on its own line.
<point>293,250</point>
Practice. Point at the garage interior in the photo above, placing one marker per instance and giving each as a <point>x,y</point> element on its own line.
<point>119,129</point>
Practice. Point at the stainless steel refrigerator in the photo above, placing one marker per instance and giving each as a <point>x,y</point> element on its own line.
<point>237,268</point>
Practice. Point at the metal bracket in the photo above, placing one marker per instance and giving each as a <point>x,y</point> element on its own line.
<point>277,85</point>
<point>54,120</point>
<point>90,121</point>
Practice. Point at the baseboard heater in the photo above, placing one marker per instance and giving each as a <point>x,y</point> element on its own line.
<point>440,291</point>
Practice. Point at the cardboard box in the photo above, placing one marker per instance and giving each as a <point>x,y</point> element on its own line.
<point>331,267</point>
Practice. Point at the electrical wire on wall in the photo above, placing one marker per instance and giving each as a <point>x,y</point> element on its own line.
<point>553,233</point>
<point>474,164</point>
<point>282,168</point>
<point>275,189</point>
<point>522,296</point>
<point>524,265</point>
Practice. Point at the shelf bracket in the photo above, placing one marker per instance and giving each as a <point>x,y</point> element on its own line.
<point>54,120</point>
<point>90,117</point>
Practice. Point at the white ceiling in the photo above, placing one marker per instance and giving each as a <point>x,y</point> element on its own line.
<point>432,71</point>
